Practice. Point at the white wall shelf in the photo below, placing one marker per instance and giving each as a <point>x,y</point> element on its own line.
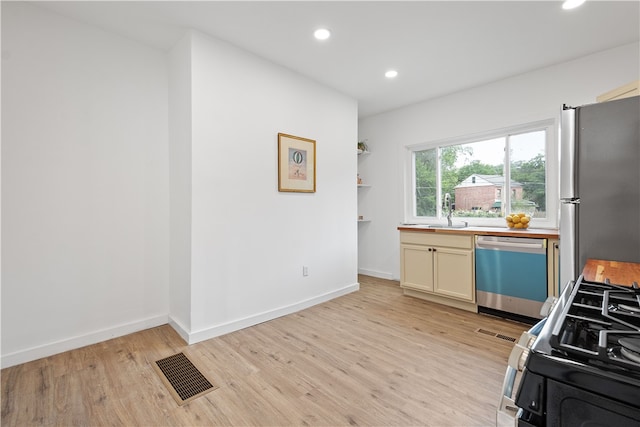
<point>362,185</point>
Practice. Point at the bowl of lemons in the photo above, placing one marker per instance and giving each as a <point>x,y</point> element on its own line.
<point>518,221</point>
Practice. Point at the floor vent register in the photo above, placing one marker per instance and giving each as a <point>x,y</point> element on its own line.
<point>495,334</point>
<point>183,380</point>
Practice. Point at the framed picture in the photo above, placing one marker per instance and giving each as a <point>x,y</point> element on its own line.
<point>296,164</point>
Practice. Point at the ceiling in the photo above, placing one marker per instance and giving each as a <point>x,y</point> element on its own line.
<point>438,47</point>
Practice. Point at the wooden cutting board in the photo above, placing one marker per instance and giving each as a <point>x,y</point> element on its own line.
<point>619,273</point>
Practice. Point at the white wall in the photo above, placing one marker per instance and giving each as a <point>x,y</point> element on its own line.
<point>249,242</point>
<point>85,213</point>
<point>180,183</point>
<point>140,187</point>
<point>529,97</point>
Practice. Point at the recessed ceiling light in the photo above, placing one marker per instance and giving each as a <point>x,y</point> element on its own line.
<point>391,74</point>
<point>571,4</point>
<point>322,34</point>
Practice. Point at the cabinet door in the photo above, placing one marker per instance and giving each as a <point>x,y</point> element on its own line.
<point>416,267</point>
<point>630,89</point>
<point>553,268</point>
<point>453,273</point>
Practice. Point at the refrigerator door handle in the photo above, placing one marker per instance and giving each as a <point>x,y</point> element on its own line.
<point>568,242</point>
<point>568,172</point>
<point>570,200</point>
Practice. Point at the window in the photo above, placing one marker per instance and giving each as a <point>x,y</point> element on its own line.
<point>487,177</point>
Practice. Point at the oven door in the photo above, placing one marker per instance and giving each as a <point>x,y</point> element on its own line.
<point>571,406</point>
<point>507,413</point>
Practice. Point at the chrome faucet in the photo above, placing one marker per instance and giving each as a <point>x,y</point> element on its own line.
<point>447,205</point>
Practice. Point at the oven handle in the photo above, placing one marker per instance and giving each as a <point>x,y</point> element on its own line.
<point>507,386</point>
<point>507,413</point>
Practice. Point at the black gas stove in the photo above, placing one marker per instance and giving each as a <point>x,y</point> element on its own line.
<point>584,367</point>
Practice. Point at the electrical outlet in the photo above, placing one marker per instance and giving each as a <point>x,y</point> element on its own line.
<point>305,270</point>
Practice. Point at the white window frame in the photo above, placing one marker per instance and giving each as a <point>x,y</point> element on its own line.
<point>551,178</point>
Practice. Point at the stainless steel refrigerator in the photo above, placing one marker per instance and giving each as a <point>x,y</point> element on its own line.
<point>599,184</point>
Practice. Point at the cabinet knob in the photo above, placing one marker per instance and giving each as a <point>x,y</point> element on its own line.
<point>429,249</point>
<point>434,249</point>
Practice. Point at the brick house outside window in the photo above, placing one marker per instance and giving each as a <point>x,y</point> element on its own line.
<point>483,192</point>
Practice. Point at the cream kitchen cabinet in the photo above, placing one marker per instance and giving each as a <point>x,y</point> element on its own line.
<point>630,89</point>
<point>553,268</point>
<point>438,267</point>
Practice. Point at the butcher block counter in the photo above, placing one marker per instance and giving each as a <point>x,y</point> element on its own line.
<point>539,233</point>
<point>618,273</point>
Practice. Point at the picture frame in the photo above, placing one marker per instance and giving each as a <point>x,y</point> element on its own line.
<point>296,164</point>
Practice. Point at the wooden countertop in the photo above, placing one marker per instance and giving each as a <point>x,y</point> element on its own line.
<point>619,273</point>
<point>540,233</point>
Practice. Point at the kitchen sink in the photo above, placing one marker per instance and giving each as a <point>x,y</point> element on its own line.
<point>465,225</point>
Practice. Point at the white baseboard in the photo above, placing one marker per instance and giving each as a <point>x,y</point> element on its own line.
<point>374,273</point>
<point>182,330</point>
<point>225,328</point>
<point>72,343</point>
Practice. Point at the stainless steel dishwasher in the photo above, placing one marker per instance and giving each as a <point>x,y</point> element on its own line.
<point>511,275</point>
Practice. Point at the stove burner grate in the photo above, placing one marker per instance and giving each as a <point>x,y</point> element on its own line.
<point>597,320</point>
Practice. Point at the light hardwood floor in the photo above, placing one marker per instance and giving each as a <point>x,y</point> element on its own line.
<point>370,358</point>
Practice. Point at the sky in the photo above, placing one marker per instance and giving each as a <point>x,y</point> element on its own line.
<point>523,147</point>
